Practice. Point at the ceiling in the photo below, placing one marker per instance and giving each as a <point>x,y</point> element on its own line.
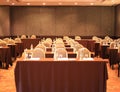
<point>60,2</point>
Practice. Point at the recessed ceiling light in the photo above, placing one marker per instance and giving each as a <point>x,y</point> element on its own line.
<point>91,3</point>
<point>13,3</point>
<point>7,0</point>
<point>113,1</point>
<point>59,3</point>
<point>28,3</point>
<point>76,3</point>
<point>43,3</point>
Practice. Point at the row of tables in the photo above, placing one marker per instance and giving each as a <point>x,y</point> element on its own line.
<point>48,75</point>
<point>18,48</point>
<point>88,43</point>
<point>9,53</point>
<point>72,75</point>
<point>105,51</point>
<point>5,57</point>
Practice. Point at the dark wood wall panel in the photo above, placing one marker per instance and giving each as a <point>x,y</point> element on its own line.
<point>93,21</point>
<point>4,21</point>
<point>117,32</point>
<point>108,20</point>
<point>84,21</point>
<point>25,20</point>
<point>78,21</point>
<point>47,21</point>
<point>63,20</point>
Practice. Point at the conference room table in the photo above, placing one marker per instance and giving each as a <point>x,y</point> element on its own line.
<point>88,43</point>
<point>5,56</point>
<point>71,75</point>
<point>28,42</point>
<point>118,63</point>
<point>113,56</point>
<point>97,49</point>
<point>16,50</point>
<point>103,51</point>
<point>13,49</point>
<point>19,49</point>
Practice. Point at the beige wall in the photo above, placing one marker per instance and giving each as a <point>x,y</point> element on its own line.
<point>84,21</point>
<point>4,21</point>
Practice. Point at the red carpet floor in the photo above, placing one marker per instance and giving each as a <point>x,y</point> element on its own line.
<point>7,83</point>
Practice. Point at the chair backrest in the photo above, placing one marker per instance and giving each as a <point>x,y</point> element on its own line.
<point>41,46</point>
<point>47,44</point>
<point>65,37</point>
<point>112,45</point>
<point>72,44</point>
<point>33,37</point>
<point>77,38</point>
<point>83,53</point>
<point>18,40</point>
<point>23,37</point>
<point>59,45</point>
<point>3,43</point>
<point>60,53</point>
<point>6,39</point>
<point>118,40</point>
<point>94,38</point>
<point>11,41</point>
<point>70,40</point>
<point>38,53</point>
<point>77,47</point>
<point>104,42</point>
<point>49,40</point>
<point>107,37</point>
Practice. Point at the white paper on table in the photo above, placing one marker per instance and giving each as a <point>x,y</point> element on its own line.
<point>33,59</point>
<point>87,59</point>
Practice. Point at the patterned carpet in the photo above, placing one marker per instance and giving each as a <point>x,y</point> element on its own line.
<point>7,83</point>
